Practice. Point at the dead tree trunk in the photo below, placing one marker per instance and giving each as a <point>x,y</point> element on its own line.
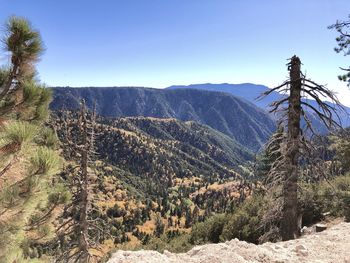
<point>83,195</point>
<point>81,232</point>
<point>289,227</point>
<point>291,109</point>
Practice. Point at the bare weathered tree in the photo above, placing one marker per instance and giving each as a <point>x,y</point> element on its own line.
<point>77,228</point>
<point>83,194</point>
<point>292,109</point>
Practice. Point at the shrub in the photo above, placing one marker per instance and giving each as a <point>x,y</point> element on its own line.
<point>346,203</point>
<point>176,244</point>
<point>311,204</point>
<point>244,223</point>
<point>208,231</point>
<point>331,196</point>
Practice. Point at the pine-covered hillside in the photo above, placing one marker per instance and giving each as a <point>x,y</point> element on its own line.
<point>235,117</point>
<point>155,176</point>
<point>163,149</point>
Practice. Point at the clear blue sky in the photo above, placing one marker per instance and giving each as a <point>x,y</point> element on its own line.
<point>157,43</point>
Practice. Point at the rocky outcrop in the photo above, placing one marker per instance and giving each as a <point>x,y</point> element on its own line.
<point>331,245</point>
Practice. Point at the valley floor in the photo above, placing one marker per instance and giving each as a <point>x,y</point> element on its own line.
<point>332,245</point>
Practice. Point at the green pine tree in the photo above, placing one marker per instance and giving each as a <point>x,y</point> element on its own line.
<point>27,159</point>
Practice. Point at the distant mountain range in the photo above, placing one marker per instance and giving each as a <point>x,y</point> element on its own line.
<point>246,91</point>
<point>251,92</point>
<point>229,108</point>
<point>241,120</point>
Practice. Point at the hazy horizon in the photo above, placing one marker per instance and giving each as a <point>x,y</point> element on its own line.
<point>158,44</point>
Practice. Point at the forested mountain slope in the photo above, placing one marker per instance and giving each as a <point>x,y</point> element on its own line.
<point>235,117</point>
<point>165,147</point>
<point>148,168</point>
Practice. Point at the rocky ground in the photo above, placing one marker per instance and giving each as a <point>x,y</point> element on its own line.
<point>331,245</point>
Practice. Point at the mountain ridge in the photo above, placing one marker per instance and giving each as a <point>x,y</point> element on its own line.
<point>235,117</point>
<point>251,92</point>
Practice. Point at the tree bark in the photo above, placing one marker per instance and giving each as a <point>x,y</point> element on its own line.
<point>289,225</point>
